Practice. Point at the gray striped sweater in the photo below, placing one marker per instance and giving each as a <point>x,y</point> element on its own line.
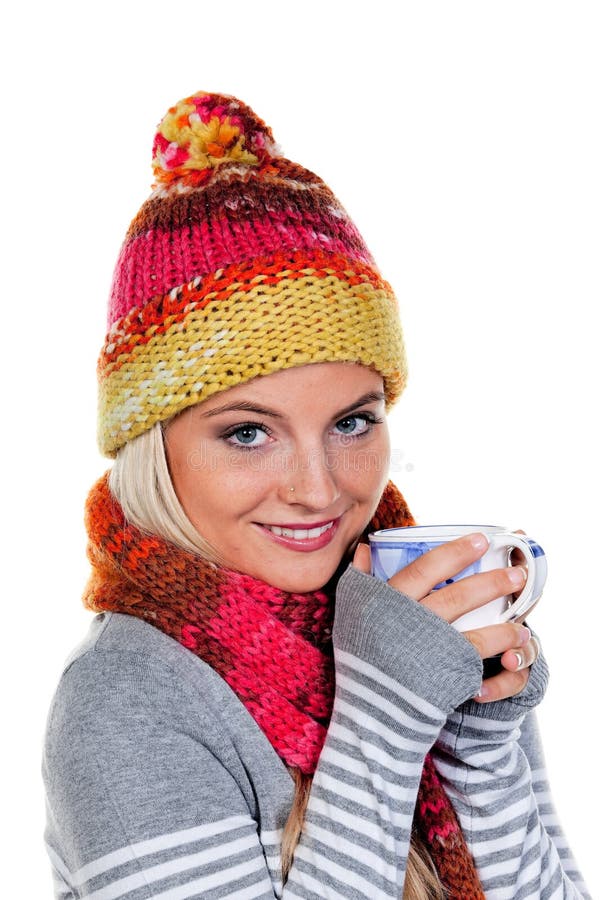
<point>160,784</point>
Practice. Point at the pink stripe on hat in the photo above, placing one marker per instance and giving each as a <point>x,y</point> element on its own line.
<point>158,260</point>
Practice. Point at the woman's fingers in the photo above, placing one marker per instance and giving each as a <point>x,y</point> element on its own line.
<point>362,558</point>
<point>438,565</point>
<point>522,658</point>
<point>495,639</point>
<point>502,686</point>
<point>513,678</point>
<point>418,579</point>
<point>467,594</point>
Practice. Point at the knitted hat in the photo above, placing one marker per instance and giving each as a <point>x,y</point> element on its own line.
<point>240,263</point>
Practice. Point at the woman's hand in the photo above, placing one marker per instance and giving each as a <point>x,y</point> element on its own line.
<point>511,641</point>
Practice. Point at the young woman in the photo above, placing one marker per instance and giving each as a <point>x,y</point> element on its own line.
<point>252,713</point>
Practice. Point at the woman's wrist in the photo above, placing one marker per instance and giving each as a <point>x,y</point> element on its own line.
<point>404,639</point>
<point>515,707</point>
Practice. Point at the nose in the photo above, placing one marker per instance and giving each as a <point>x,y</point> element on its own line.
<point>313,479</point>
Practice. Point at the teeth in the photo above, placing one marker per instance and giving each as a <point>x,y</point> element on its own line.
<point>299,534</point>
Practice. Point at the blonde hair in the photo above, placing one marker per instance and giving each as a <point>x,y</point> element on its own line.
<point>141,483</point>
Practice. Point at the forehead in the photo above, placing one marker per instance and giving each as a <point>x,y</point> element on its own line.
<point>317,382</point>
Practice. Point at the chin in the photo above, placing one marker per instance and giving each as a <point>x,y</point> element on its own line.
<point>307,582</point>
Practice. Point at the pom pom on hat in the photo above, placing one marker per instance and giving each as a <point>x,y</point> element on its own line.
<point>205,131</point>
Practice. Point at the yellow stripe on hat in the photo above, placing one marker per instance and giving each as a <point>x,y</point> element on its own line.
<point>251,333</point>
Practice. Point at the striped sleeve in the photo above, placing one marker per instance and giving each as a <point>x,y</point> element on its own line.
<point>385,720</point>
<point>193,862</point>
<point>531,743</point>
<point>501,803</point>
<point>368,776</point>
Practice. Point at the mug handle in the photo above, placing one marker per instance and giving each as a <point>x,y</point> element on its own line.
<point>537,571</point>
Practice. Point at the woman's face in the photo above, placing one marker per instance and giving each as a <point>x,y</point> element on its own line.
<point>319,429</point>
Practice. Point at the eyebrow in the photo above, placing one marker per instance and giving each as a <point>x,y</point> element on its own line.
<point>249,406</point>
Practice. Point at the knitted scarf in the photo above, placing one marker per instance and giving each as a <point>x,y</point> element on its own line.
<point>273,648</point>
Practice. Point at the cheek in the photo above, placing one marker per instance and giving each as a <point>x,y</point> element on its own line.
<point>190,472</point>
<point>386,454</point>
<point>368,470</point>
<point>219,491</point>
<point>364,483</point>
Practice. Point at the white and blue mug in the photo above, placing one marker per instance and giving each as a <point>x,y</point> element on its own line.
<point>394,548</point>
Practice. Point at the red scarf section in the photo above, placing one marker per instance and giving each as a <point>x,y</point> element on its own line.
<point>273,648</point>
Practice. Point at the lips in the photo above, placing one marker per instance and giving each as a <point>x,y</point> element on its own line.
<point>299,534</point>
<point>301,537</point>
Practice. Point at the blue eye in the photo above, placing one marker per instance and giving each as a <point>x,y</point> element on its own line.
<point>348,425</point>
<point>357,425</point>
<point>245,435</point>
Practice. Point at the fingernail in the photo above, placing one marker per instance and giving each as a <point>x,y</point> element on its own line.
<point>479,541</point>
<point>482,693</point>
<point>525,634</point>
<point>517,575</point>
<point>519,659</point>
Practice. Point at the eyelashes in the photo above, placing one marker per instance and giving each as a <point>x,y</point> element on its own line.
<point>248,427</point>
<point>370,420</point>
<point>251,430</point>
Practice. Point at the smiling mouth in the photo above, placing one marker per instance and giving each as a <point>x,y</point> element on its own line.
<point>300,534</point>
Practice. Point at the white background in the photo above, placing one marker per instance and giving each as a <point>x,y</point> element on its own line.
<point>463,139</point>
